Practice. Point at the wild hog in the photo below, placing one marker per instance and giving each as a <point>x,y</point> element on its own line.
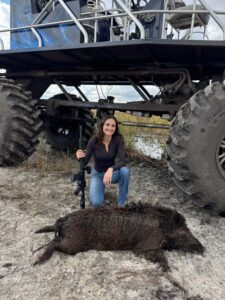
<point>142,228</point>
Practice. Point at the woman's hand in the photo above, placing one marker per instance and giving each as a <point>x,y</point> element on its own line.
<point>107,179</point>
<point>80,154</point>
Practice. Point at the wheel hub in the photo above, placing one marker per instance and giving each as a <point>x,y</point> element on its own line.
<point>220,156</point>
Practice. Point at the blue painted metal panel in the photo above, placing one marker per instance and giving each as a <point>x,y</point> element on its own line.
<point>23,13</point>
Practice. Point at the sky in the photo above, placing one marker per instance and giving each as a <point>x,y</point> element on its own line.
<point>119,92</point>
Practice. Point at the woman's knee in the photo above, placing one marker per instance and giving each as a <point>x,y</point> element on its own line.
<point>125,172</point>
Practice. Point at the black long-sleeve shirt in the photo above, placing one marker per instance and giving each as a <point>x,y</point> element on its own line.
<point>106,159</point>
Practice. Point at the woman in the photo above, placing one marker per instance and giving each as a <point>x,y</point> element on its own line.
<point>105,146</point>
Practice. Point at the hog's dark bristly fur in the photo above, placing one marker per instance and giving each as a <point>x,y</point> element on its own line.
<point>142,228</point>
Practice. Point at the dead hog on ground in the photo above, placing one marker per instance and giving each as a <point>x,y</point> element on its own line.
<point>142,228</point>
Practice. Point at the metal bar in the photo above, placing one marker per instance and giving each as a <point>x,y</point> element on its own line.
<point>161,11</point>
<point>147,125</point>
<point>81,93</point>
<point>105,73</point>
<point>164,22</point>
<point>68,22</point>
<point>140,92</point>
<point>63,90</point>
<point>45,116</point>
<point>38,37</point>
<point>96,22</point>
<point>42,13</point>
<point>218,12</point>
<point>37,19</point>
<point>145,91</point>
<point>193,19</point>
<point>133,18</point>
<point>74,18</point>
<point>126,23</point>
<point>133,124</point>
<point>142,107</point>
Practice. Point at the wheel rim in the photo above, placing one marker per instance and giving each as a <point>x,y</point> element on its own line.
<point>220,156</point>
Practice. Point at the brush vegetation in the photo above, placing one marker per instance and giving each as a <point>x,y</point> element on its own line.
<point>131,132</point>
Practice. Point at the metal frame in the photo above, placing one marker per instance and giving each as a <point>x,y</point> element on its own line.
<point>83,67</point>
<point>126,12</point>
<point>52,105</point>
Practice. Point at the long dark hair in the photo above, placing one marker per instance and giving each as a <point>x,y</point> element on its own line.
<point>98,138</point>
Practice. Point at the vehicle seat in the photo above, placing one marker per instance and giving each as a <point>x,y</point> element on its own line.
<point>183,21</point>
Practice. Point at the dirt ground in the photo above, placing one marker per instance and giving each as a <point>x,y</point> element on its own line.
<point>31,198</point>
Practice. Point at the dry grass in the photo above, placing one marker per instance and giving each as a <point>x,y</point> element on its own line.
<point>46,159</point>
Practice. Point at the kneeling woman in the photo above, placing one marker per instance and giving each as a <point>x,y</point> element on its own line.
<point>106,145</point>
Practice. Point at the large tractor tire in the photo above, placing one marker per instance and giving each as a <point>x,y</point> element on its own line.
<point>196,147</point>
<point>63,135</point>
<point>19,123</point>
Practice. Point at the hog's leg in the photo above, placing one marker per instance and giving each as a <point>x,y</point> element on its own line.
<point>48,252</point>
<point>155,256</point>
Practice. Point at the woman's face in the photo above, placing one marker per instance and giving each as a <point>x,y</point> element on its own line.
<point>109,127</point>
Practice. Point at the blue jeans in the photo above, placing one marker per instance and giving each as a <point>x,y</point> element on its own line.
<point>97,186</point>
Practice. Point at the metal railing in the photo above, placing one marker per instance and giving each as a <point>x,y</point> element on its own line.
<point>119,10</point>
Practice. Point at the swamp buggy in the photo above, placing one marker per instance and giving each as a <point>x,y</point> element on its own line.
<point>162,43</point>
